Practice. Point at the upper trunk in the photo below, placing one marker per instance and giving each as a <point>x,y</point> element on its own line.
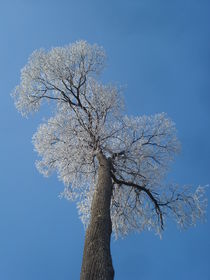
<point>97,261</point>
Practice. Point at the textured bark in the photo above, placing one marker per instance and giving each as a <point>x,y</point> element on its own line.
<point>97,261</point>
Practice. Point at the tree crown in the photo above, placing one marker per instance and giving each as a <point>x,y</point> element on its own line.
<point>88,119</point>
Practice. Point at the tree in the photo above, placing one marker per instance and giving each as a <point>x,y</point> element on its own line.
<point>111,164</point>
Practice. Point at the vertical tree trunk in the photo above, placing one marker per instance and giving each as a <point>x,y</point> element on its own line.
<point>97,261</point>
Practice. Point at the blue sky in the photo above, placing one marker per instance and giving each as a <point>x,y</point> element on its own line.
<point>159,50</point>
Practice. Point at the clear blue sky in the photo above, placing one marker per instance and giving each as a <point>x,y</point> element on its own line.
<point>160,50</point>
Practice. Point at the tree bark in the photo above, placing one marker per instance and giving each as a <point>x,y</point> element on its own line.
<point>97,261</point>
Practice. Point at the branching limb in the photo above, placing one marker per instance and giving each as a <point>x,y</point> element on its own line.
<point>147,191</point>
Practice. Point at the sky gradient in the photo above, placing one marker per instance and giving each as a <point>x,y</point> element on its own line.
<point>159,52</point>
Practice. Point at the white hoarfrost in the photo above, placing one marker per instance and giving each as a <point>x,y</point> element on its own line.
<point>88,119</point>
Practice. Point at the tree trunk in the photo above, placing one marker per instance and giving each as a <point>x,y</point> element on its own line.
<point>97,261</point>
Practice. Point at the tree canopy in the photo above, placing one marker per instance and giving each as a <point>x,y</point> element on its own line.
<point>88,119</point>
